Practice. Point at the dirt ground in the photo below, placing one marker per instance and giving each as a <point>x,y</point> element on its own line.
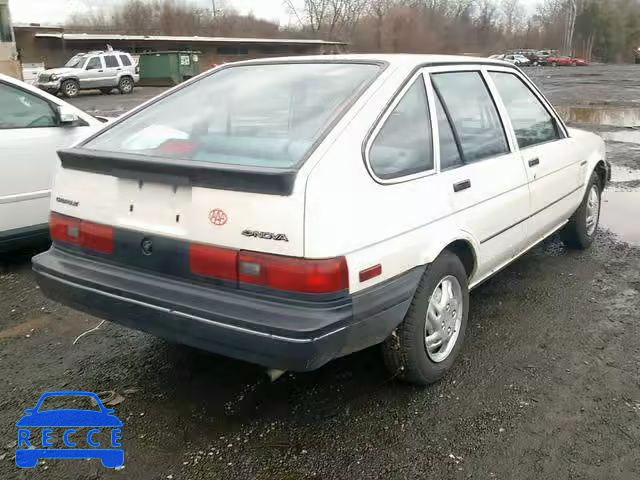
<point>546,387</point>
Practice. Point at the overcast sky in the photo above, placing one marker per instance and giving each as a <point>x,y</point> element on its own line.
<point>55,11</point>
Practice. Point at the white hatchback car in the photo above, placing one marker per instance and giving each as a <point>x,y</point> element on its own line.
<point>33,125</point>
<point>291,211</point>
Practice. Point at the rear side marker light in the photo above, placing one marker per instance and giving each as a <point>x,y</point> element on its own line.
<point>87,235</point>
<point>370,273</point>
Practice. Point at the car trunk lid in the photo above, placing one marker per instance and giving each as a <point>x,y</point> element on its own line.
<point>159,208</point>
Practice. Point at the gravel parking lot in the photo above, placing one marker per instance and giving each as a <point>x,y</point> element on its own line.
<point>547,385</point>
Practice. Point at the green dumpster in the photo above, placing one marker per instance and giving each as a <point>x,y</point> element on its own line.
<point>168,68</point>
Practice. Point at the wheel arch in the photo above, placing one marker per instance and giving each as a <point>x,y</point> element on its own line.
<point>602,172</point>
<point>465,251</point>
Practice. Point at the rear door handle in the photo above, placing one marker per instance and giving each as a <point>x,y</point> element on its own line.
<point>463,185</point>
<point>534,161</point>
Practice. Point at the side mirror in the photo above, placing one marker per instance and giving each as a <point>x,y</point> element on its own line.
<point>67,115</point>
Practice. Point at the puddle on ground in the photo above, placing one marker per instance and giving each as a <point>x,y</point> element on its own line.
<point>624,174</point>
<point>601,115</point>
<point>624,136</point>
<point>621,215</point>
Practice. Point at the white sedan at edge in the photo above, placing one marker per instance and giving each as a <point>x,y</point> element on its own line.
<point>33,126</point>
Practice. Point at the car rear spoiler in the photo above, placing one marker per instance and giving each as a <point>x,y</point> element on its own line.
<point>270,181</point>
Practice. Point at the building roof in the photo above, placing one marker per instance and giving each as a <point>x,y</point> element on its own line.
<point>105,37</point>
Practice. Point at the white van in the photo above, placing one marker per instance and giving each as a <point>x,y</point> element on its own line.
<point>291,211</point>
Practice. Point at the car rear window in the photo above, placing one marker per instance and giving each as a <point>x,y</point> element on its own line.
<point>125,60</point>
<point>252,115</point>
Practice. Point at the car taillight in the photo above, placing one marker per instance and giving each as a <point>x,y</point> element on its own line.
<point>213,262</point>
<point>90,236</point>
<point>293,274</point>
<point>271,271</point>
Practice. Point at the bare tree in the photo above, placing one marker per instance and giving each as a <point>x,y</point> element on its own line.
<point>570,26</point>
<point>512,15</point>
<point>327,16</point>
<point>379,9</point>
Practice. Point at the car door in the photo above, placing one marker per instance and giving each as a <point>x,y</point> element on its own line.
<point>112,70</point>
<point>549,155</point>
<point>30,134</point>
<point>478,160</point>
<point>94,74</point>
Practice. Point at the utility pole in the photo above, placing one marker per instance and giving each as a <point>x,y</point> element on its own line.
<point>213,2</point>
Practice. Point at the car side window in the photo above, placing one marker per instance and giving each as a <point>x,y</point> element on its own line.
<point>532,123</point>
<point>94,63</point>
<point>125,61</point>
<point>20,109</point>
<point>404,145</point>
<point>111,61</point>
<point>449,153</point>
<point>473,114</point>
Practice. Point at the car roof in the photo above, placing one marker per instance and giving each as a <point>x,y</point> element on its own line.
<point>397,59</point>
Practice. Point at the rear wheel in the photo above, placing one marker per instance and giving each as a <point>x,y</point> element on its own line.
<point>125,85</point>
<point>425,345</point>
<point>554,64</point>
<point>70,88</point>
<point>581,230</point>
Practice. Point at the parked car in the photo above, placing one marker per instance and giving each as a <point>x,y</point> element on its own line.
<point>558,61</point>
<point>33,125</point>
<point>543,55</point>
<point>94,70</point>
<point>330,204</point>
<point>531,55</point>
<point>519,60</point>
<point>566,62</point>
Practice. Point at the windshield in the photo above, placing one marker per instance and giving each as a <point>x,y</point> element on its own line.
<point>76,61</point>
<point>254,115</point>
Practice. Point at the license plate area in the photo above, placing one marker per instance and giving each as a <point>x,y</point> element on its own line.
<point>150,206</point>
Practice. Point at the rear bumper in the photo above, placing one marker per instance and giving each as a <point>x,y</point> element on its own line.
<point>284,333</point>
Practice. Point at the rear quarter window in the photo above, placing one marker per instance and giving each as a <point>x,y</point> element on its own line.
<point>125,60</point>
<point>111,61</point>
<point>253,115</point>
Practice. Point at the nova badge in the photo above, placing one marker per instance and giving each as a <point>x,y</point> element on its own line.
<point>278,237</point>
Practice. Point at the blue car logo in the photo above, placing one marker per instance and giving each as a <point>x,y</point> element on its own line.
<point>69,425</point>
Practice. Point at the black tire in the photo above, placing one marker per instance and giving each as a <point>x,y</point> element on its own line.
<point>404,352</point>
<point>106,90</point>
<point>125,85</point>
<point>70,88</point>
<point>576,234</point>
<point>554,64</point>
